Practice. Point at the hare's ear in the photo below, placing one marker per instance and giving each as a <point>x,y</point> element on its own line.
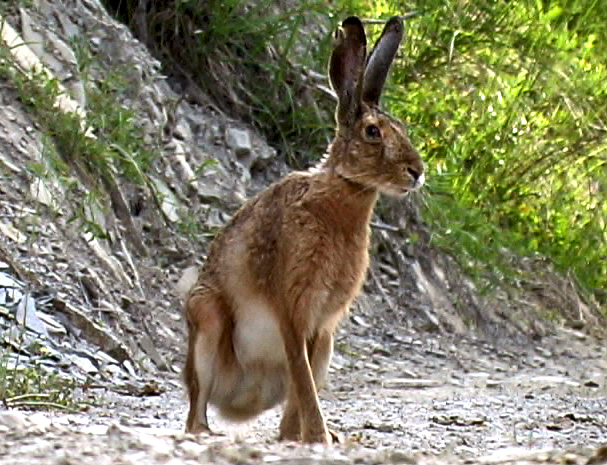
<point>346,68</point>
<point>380,60</point>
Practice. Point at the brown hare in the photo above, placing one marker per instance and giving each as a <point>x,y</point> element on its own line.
<point>281,274</point>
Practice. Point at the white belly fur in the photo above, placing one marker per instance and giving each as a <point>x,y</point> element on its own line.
<point>259,382</point>
<point>257,338</point>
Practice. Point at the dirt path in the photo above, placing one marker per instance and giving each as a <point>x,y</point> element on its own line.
<point>413,398</point>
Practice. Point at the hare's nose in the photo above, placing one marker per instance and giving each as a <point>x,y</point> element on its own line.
<point>415,174</point>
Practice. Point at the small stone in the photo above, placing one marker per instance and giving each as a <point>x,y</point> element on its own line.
<point>398,456</point>
<point>492,383</point>
<point>26,315</point>
<point>591,383</point>
<point>192,449</point>
<point>40,422</point>
<point>569,458</point>
<point>360,321</point>
<point>85,364</point>
<point>13,420</point>
<point>239,140</point>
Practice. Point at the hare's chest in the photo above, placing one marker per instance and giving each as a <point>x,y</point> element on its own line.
<point>341,280</point>
<point>352,262</point>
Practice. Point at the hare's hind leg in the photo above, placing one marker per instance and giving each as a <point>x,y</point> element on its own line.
<point>319,350</point>
<point>205,326</point>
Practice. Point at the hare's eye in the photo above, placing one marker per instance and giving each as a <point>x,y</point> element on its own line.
<point>373,132</point>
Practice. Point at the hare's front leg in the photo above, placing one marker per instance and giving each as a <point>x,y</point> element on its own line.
<point>303,408</point>
<point>320,350</point>
<point>205,325</point>
<point>290,424</point>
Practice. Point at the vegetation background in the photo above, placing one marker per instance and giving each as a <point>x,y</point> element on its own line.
<point>506,100</point>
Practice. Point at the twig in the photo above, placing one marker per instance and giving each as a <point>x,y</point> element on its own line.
<point>381,289</point>
<point>27,396</point>
<point>384,226</point>
<point>33,403</point>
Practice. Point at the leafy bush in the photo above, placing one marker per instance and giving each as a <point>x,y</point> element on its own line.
<point>505,100</point>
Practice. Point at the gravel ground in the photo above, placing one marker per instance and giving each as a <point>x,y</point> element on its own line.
<point>413,398</point>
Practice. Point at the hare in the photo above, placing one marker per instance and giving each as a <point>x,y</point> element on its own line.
<point>284,270</point>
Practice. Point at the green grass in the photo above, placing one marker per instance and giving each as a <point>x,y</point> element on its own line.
<point>33,387</point>
<point>506,101</point>
<point>24,383</point>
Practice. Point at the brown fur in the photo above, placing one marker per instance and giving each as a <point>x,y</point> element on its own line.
<point>285,269</point>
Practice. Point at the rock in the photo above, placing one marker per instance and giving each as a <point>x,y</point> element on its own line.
<point>13,420</point>
<point>146,344</point>
<point>192,449</point>
<point>249,149</point>
<point>169,203</point>
<point>41,193</point>
<point>84,363</point>
<point>10,289</point>
<point>40,423</point>
<point>26,315</point>
<point>109,262</point>
<point>398,456</point>
<point>12,233</point>
<point>182,168</point>
<point>591,383</point>
<point>239,141</point>
<point>92,331</point>
<point>52,325</point>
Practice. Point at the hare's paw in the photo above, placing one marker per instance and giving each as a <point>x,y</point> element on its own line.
<point>290,426</point>
<point>200,429</point>
<point>320,437</point>
<point>336,437</point>
<point>287,435</point>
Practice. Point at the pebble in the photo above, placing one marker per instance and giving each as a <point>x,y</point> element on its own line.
<point>13,420</point>
<point>40,422</point>
<point>192,449</point>
<point>240,141</point>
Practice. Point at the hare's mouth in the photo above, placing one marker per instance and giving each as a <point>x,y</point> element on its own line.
<point>395,191</point>
<point>401,191</point>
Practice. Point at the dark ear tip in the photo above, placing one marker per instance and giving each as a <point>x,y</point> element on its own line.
<point>395,23</point>
<point>352,21</point>
<point>353,27</point>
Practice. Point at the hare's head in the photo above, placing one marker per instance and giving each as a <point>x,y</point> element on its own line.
<point>371,148</point>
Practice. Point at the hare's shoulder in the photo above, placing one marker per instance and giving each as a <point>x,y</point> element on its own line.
<point>278,198</point>
<point>261,217</point>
